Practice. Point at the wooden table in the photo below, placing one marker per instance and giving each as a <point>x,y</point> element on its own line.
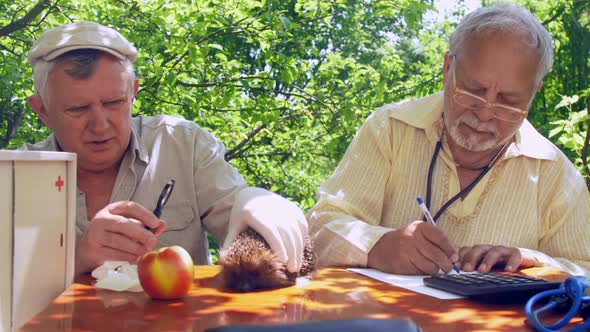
<point>331,294</point>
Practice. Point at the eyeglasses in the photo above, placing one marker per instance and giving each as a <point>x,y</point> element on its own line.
<point>471,101</point>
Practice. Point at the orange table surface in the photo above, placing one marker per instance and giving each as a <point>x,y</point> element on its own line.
<point>331,294</point>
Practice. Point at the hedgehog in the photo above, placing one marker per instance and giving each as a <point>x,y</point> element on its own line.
<point>249,264</point>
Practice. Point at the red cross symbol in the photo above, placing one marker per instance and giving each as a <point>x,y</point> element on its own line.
<point>59,183</point>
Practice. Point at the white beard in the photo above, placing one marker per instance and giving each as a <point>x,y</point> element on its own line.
<point>469,119</point>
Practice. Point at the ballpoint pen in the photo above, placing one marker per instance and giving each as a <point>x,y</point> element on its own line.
<point>431,221</point>
<point>164,195</point>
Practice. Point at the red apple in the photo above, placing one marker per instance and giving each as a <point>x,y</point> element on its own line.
<point>166,273</point>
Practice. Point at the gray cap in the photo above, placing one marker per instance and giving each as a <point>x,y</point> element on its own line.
<point>81,35</point>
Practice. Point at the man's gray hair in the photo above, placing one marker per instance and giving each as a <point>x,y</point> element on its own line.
<point>512,19</point>
<point>83,65</point>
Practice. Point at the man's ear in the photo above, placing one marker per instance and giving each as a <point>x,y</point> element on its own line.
<point>135,88</point>
<point>446,68</point>
<point>38,107</point>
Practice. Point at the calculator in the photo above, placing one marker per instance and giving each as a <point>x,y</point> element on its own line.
<point>493,285</point>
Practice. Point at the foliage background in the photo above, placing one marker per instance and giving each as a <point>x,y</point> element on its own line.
<point>285,84</point>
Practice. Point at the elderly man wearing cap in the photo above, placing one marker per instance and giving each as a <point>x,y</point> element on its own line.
<point>85,88</point>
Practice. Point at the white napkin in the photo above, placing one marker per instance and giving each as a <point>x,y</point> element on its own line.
<point>118,276</point>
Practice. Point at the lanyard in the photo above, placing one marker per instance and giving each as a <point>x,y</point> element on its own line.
<point>462,192</point>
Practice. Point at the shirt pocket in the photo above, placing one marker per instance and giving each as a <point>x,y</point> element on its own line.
<point>177,217</point>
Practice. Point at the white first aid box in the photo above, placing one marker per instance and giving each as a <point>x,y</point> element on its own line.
<point>37,231</point>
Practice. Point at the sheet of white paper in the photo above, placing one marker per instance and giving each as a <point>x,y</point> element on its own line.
<point>413,283</point>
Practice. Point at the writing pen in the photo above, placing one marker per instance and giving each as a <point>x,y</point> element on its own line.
<point>431,221</point>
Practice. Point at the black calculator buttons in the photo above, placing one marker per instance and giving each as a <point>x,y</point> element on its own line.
<point>492,284</point>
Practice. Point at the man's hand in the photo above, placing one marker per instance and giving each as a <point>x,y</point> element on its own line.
<point>279,221</point>
<point>418,248</point>
<point>117,233</point>
<point>484,257</point>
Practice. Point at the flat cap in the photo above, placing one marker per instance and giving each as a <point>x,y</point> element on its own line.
<point>81,35</point>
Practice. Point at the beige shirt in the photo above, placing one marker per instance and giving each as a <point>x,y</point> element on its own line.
<point>164,148</point>
<point>532,198</point>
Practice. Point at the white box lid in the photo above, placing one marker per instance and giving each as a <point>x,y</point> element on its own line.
<point>36,155</point>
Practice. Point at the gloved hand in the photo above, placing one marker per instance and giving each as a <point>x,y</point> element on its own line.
<point>279,221</point>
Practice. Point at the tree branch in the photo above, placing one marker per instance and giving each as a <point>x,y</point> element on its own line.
<point>216,83</point>
<point>28,18</point>
<point>585,147</point>
<point>12,123</point>
<point>229,155</point>
<point>261,182</point>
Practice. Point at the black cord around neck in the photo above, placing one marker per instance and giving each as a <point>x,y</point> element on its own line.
<point>448,203</point>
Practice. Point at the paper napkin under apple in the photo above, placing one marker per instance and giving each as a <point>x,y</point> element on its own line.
<point>118,276</point>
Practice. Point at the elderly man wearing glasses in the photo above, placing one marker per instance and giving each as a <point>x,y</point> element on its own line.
<point>502,196</point>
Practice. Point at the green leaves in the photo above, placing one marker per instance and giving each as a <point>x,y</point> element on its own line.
<point>570,133</point>
<point>286,84</point>
<point>567,101</point>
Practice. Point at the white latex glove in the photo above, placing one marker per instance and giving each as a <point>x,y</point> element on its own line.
<point>279,221</point>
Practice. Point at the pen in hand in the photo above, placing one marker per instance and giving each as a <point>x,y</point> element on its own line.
<point>164,195</point>
<point>431,221</point>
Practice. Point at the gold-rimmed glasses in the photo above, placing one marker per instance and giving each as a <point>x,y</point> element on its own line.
<point>500,111</point>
